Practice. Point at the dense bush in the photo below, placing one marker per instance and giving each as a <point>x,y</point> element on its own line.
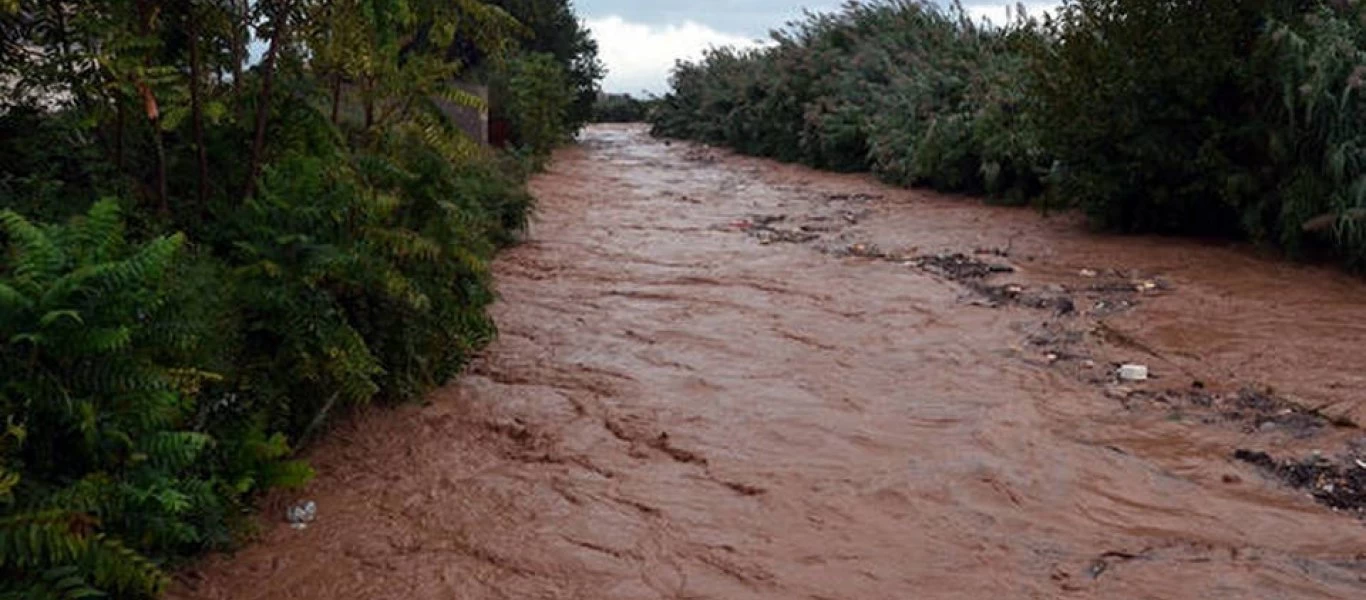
<point>913,93</point>
<point>1318,147</point>
<point>97,396</point>
<point>1220,117</point>
<point>534,89</point>
<point>555,30</point>
<point>203,260</point>
<point>1224,117</point>
<point>1146,105</point>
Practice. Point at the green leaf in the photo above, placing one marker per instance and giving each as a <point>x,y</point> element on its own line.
<point>52,317</point>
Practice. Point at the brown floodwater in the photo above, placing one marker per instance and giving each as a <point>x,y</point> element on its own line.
<point>723,377</point>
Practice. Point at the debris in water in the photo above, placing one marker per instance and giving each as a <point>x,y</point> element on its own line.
<point>959,266</point>
<point>1336,486</point>
<point>1251,410</point>
<point>769,235</point>
<point>1001,252</point>
<point>865,251</point>
<point>1103,563</point>
<point>1133,372</point>
<point>300,515</point>
<point>703,154</point>
<point>1088,273</point>
<point>762,228</point>
<point>1065,306</point>
<point>860,197</point>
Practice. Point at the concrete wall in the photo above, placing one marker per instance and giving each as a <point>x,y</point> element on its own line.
<point>474,121</point>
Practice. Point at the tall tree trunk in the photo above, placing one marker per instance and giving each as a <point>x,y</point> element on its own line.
<point>118,133</point>
<point>147,11</point>
<point>196,106</point>
<point>263,104</point>
<point>336,96</point>
<point>369,102</point>
<point>163,205</point>
<point>239,43</point>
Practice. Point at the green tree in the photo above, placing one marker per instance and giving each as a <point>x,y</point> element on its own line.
<point>243,250</point>
<point>548,27</point>
<point>556,30</point>
<point>536,91</point>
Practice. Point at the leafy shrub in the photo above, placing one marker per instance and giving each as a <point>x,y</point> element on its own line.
<point>1240,118</point>
<point>913,93</point>
<point>552,28</point>
<point>1141,101</point>
<point>1318,146</point>
<point>532,89</point>
<point>100,442</point>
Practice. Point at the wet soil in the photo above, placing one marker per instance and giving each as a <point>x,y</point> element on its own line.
<point>721,377</point>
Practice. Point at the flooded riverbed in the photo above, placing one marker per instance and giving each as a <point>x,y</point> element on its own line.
<point>722,377</point>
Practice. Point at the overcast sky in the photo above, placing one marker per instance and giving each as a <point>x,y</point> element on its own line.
<point>640,39</point>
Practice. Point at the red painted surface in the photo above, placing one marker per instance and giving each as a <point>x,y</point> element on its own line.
<point>500,132</point>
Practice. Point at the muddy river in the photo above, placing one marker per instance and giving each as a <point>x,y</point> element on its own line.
<point>723,377</point>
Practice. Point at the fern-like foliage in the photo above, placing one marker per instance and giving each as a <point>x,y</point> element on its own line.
<point>337,232</point>
<point>94,466</point>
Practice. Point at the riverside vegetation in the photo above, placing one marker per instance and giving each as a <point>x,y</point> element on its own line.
<point>1227,117</point>
<point>224,223</point>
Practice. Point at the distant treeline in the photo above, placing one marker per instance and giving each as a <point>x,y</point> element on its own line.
<point>621,108</point>
<point>1229,117</point>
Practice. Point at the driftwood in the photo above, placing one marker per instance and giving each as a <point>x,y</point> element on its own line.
<point>1327,220</point>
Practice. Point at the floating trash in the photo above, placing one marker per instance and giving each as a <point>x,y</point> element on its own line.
<point>1133,373</point>
<point>300,515</point>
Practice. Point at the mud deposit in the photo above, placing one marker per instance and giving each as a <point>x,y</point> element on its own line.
<point>720,377</point>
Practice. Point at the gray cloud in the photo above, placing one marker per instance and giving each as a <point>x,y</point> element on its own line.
<point>751,18</point>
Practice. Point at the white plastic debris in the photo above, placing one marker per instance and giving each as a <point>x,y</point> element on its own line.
<point>1133,372</point>
<point>300,515</point>
<point>1089,273</point>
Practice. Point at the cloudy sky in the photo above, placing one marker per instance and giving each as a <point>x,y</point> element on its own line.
<point>640,39</point>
